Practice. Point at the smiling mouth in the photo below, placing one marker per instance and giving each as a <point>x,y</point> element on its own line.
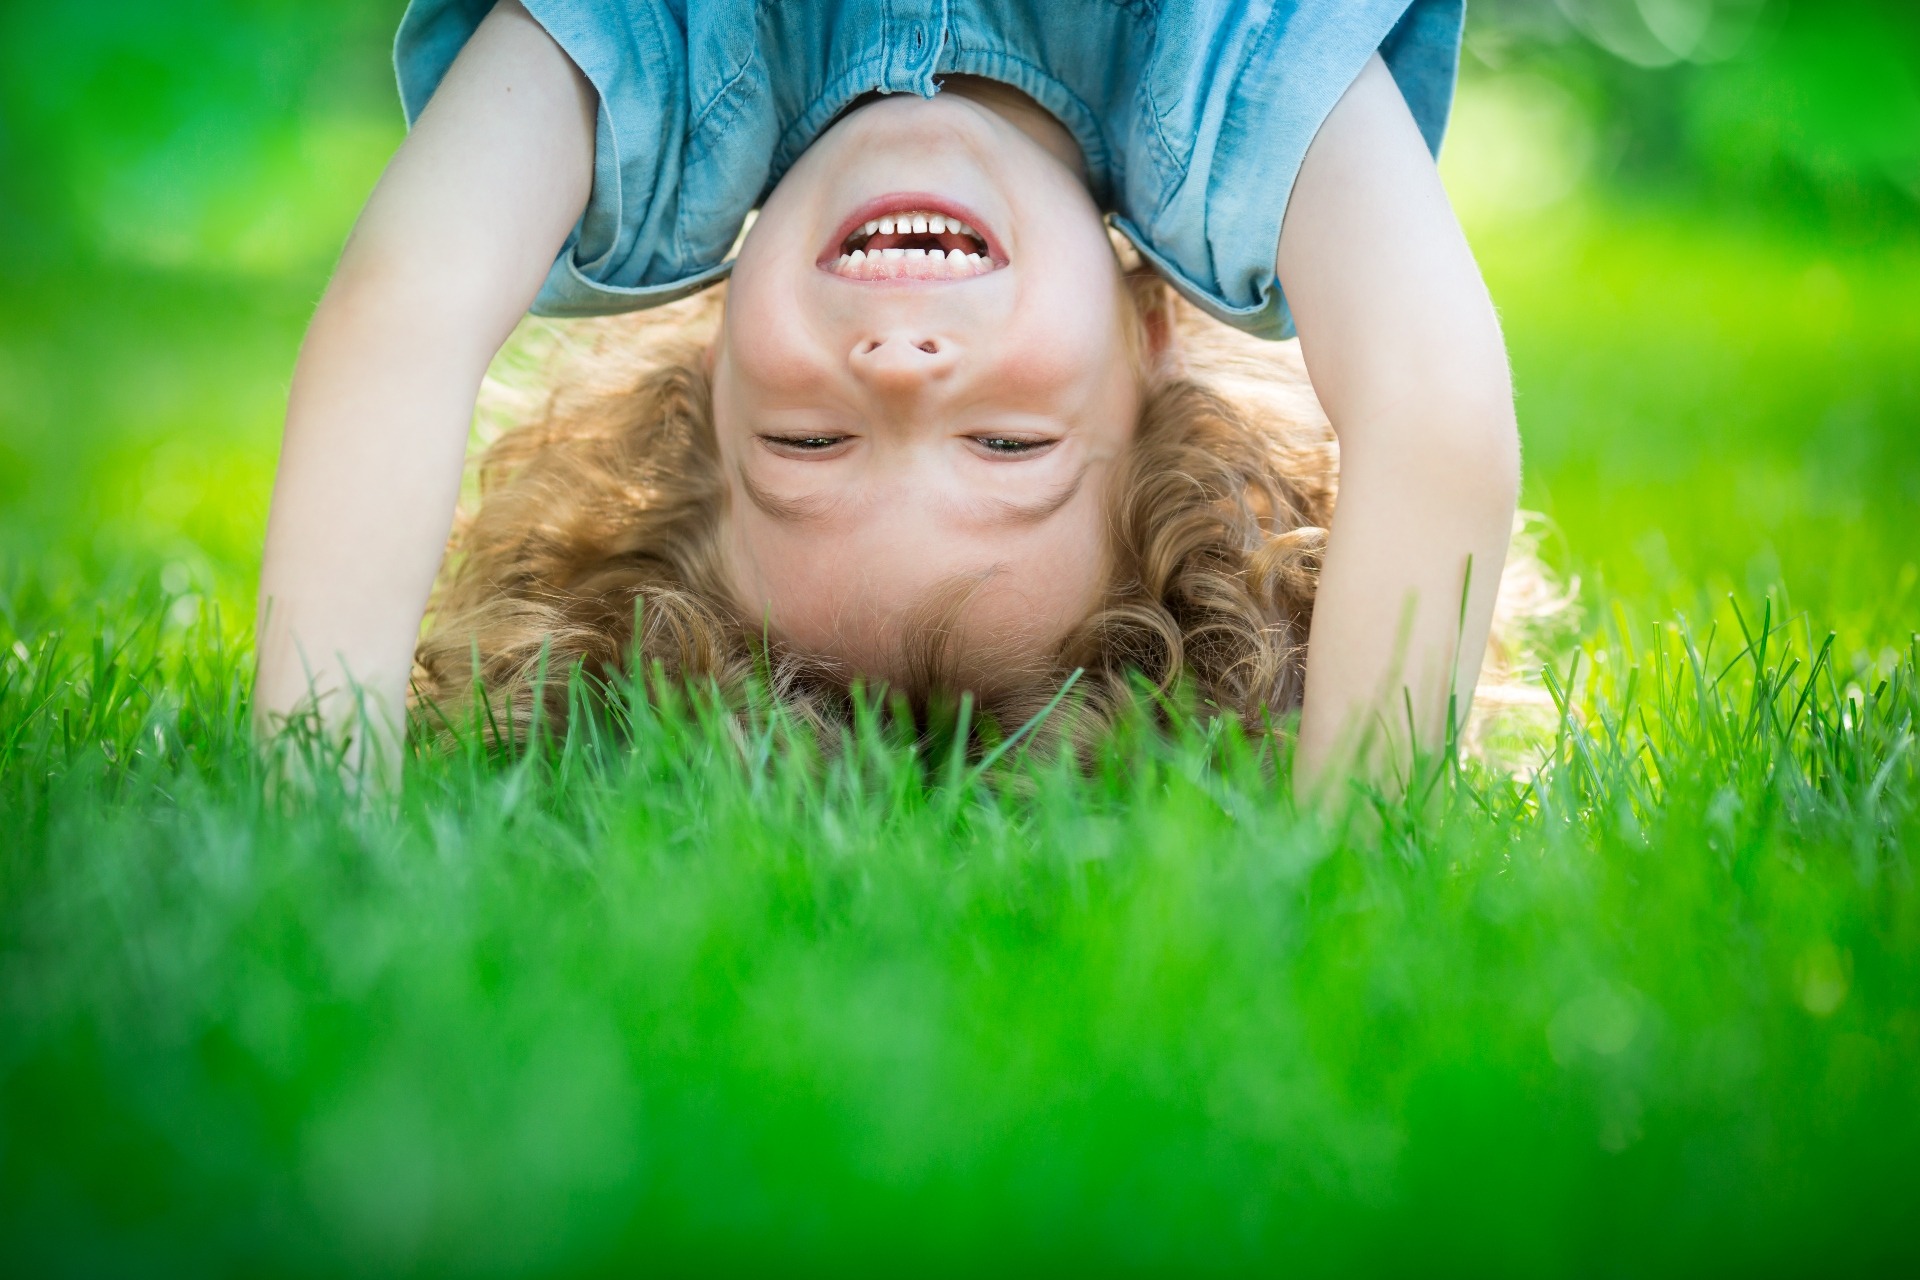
<point>913,244</point>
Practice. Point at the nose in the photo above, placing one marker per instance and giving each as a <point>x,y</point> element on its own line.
<point>902,364</point>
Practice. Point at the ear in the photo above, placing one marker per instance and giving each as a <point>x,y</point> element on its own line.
<point>1163,338</point>
<point>708,355</point>
<point>1154,303</point>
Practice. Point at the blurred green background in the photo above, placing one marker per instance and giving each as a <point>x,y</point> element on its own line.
<point>1701,219</point>
<point>1657,1017</point>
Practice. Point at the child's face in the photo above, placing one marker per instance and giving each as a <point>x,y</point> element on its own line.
<point>890,428</point>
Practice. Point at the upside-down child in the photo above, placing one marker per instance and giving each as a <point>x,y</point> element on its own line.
<point>971,410</point>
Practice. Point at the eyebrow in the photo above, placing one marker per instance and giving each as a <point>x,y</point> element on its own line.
<point>1034,512</point>
<point>793,510</point>
<point>817,507</point>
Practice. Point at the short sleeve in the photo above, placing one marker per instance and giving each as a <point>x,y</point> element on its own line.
<point>627,251</point>
<point>1236,100</point>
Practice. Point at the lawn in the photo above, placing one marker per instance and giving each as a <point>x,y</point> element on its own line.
<point>1639,995</point>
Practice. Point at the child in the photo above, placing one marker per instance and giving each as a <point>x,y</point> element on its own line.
<point>936,430</point>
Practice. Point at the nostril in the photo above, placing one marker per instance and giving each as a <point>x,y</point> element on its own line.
<point>878,346</point>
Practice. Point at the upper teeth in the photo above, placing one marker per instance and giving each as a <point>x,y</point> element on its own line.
<point>886,264</point>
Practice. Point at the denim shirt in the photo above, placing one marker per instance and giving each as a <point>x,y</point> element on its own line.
<point>1193,115</point>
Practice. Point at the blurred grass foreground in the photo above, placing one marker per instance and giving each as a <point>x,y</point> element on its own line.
<point>669,991</point>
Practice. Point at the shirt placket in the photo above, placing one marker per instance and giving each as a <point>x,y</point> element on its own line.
<point>914,31</point>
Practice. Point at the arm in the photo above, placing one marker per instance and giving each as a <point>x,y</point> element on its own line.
<point>447,256</point>
<point>1401,341</point>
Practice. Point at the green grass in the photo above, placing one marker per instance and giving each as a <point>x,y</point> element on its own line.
<point>669,991</point>
<point>1654,1006</point>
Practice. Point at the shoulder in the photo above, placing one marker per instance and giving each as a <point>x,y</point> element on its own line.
<point>1240,90</point>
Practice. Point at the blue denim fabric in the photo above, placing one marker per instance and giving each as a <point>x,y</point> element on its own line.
<point>1194,115</point>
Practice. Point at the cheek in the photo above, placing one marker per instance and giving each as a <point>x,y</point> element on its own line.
<point>763,350</point>
<point>1071,337</point>
<point>758,357</point>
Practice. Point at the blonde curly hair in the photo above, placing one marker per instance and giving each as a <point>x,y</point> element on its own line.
<point>595,543</point>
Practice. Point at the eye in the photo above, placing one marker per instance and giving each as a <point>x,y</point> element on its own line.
<point>803,444</point>
<point>1011,446</point>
